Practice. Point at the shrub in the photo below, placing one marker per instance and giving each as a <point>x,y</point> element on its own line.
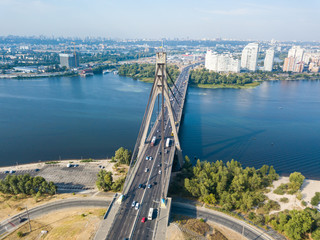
<point>284,200</point>
<point>304,203</point>
<point>299,195</point>
<point>20,234</point>
<point>315,199</point>
<point>282,189</point>
<point>87,160</point>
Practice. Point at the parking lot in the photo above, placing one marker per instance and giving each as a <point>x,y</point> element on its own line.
<point>68,177</point>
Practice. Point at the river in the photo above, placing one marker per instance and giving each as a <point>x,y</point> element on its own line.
<point>277,123</point>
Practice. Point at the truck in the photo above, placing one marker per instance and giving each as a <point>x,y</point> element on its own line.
<point>150,214</point>
<point>153,141</point>
<point>168,142</point>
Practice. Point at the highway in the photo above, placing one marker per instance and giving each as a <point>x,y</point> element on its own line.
<point>18,219</point>
<point>127,223</point>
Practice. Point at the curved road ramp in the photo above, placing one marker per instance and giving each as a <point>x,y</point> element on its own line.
<point>246,230</point>
<point>11,224</point>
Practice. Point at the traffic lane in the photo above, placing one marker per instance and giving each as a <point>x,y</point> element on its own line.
<point>194,213</point>
<point>145,230</point>
<point>129,214</point>
<point>145,201</point>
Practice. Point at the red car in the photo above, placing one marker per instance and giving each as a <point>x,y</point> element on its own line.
<point>143,220</point>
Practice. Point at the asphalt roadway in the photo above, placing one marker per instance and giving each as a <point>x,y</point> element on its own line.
<point>127,223</point>
<point>239,226</point>
<point>15,221</point>
<point>232,223</point>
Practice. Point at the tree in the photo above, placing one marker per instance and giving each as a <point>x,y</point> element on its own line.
<point>316,234</point>
<point>298,225</point>
<point>108,181</point>
<point>296,179</point>
<point>118,184</point>
<point>123,156</point>
<point>209,199</point>
<point>105,181</point>
<point>315,199</point>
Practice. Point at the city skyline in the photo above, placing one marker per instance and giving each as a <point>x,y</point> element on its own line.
<point>283,21</point>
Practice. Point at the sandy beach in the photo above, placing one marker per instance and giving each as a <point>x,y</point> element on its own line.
<point>308,190</point>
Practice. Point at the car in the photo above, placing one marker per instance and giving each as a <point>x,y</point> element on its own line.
<point>149,186</point>
<point>140,185</point>
<point>37,170</point>
<point>159,153</point>
<point>147,158</point>
<point>23,219</point>
<point>143,220</point>
<point>150,158</point>
<point>154,183</point>
<point>137,206</point>
<point>146,170</point>
<point>160,171</point>
<point>133,204</point>
<point>159,165</point>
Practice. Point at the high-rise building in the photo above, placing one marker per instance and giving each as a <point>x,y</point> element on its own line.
<point>288,65</point>
<point>69,60</point>
<point>296,52</point>
<point>294,61</point>
<point>221,62</point>
<point>268,60</point>
<point>250,56</point>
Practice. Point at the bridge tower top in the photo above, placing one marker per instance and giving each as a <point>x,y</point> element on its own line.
<point>161,58</point>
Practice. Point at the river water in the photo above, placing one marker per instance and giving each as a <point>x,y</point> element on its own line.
<point>277,123</point>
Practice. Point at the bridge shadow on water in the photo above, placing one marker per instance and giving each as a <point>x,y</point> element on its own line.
<point>237,145</point>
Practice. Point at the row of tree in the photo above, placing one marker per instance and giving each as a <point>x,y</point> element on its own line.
<point>229,185</point>
<point>13,184</point>
<point>145,70</point>
<point>204,76</point>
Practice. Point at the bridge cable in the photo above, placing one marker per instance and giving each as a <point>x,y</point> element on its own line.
<point>173,82</point>
<point>140,133</point>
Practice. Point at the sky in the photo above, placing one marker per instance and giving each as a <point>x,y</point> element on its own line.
<point>194,19</point>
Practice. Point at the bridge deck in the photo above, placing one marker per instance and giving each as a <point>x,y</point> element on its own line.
<point>127,222</point>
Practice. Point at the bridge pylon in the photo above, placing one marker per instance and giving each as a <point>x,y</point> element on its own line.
<point>160,86</point>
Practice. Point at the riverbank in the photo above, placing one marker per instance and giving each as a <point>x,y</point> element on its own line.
<point>235,86</point>
<point>45,75</point>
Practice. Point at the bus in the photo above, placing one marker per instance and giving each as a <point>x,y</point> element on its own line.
<point>150,215</point>
<point>168,142</point>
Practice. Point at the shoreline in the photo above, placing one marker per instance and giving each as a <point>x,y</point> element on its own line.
<point>18,77</point>
<point>34,165</point>
<point>230,86</point>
